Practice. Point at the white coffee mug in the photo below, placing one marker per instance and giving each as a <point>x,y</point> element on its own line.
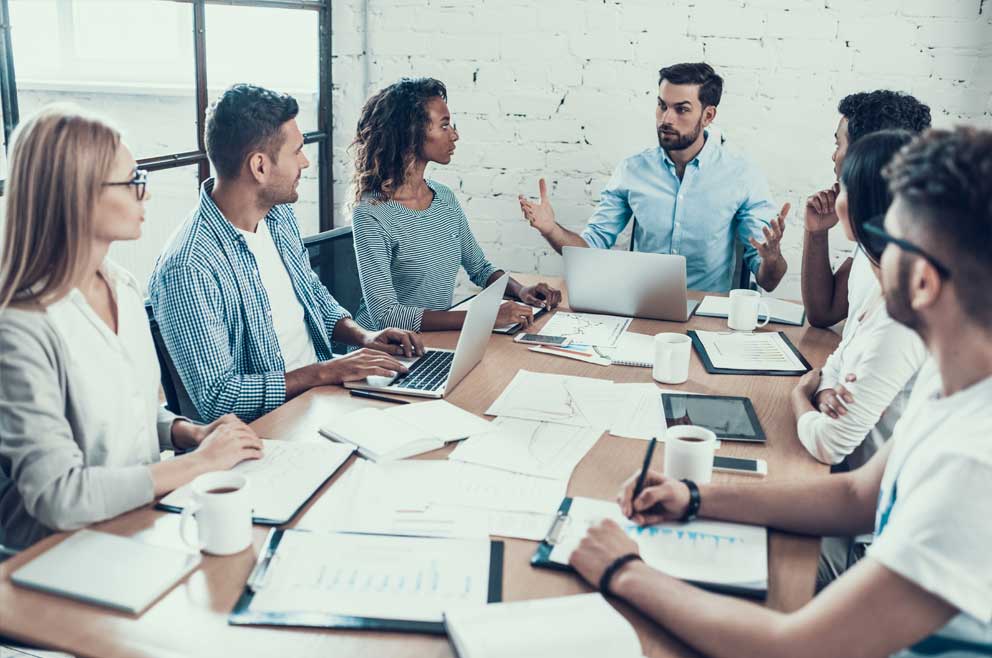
<point>671,358</point>
<point>223,513</point>
<point>745,306</point>
<point>689,453</point>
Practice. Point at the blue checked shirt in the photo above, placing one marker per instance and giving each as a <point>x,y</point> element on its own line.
<point>214,314</point>
<point>721,198</point>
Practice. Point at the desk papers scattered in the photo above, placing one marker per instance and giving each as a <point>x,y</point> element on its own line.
<point>404,430</point>
<point>374,576</point>
<point>760,351</point>
<point>579,401</point>
<point>530,447</point>
<point>288,473</point>
<point>582,626</point>
<point>586,328</point>
<point>639,415</point>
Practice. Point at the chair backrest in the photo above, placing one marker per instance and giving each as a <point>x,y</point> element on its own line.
<point>332,257</point>
<point>177,400</point>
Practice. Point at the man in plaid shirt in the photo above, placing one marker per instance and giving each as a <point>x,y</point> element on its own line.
<point>247,322</point>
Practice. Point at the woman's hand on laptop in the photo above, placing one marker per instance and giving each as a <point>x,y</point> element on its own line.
<point>396,341</point>
<point>540,295</point>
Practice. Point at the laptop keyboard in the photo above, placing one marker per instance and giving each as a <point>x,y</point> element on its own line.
<point>429,373</point>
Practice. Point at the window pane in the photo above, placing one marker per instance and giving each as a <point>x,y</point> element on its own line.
<point>173,193</point>
<point>130,61</point>
<point>284,55</point>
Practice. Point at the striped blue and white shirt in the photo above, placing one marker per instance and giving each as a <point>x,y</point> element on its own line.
<point>722,198</point>
<point>215,316</point>
<point>408,260</point>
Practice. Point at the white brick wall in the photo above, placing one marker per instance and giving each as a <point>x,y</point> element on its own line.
<point>565,89</point>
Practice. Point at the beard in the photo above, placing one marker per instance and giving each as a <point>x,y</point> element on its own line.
<point>281,194</point>
<point>897,302</point>
<point>679,141</point>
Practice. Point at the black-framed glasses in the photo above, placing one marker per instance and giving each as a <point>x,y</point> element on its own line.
<point>879,238</point>
<point>139,180</point>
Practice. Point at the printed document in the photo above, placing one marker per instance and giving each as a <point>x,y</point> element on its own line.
<point>586,328</point>
<point>749,351</point>
<point>579,401</point>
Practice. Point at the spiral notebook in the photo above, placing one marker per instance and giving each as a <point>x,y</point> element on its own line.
<point>632,350</point>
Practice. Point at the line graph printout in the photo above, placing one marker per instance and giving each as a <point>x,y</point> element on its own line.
<point>702,551</point>
<point>587,328</point>
<point>380,576</point>
<point>579,401</point>
<point>549,450</point>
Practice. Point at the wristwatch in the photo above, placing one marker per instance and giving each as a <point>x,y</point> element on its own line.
<point>694,501</point>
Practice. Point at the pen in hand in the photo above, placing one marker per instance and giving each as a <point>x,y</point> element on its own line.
<point>644,472</point>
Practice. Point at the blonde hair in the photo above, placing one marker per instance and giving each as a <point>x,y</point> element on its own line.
<point>59,159</point>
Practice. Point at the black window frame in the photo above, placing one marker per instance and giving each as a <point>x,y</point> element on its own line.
<point>325,117</point>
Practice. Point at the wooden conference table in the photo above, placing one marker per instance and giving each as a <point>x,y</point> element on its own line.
<point>191,619</point>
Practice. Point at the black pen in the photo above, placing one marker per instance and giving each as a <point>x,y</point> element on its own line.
<point>376,396</point>
<point>644,471</point>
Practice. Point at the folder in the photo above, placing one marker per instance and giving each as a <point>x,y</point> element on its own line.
<point>704,356</point>
<point>322,598</point>
<point>699,540</point>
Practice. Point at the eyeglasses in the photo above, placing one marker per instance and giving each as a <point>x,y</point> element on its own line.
<point>139,180</point>
<point>879,238</point>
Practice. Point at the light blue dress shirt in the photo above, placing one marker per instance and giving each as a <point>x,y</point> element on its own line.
<point>722,197</point>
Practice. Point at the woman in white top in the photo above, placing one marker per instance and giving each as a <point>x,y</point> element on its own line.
<point>81,426</point>
<point>847,410</point>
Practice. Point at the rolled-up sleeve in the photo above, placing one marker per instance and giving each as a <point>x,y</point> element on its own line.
<point>612,213</point>
<point>38,449</point>
<point>373,251</point>
<point>189,310</point>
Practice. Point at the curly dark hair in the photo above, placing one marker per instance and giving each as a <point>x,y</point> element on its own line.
<point>869,112</point>
<point>245,119</point>
<point>695,73</point>
<point>391,132</point>
<point>945,178</point>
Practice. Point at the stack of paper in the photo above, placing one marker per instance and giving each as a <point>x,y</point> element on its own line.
<point>406,430</point>
<point>576,626</point>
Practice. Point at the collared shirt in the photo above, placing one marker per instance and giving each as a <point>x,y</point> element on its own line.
<point>722,197</point>
<point>215,315</point>
<point>408,260</point>
<point>80,418</point>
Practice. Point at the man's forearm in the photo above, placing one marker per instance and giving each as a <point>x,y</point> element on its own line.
<point>349,332</point>
<point>818,283</point>
<point>560,237</point>
<point>824,505</point>
<point>770,273</point>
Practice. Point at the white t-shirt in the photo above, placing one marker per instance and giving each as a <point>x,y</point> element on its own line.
<point>932,525</point>
<point>885,356</point>
<point>861,283</point>
<point>288,317</point>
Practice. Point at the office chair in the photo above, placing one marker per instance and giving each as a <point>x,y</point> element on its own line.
<point>332,257</point>
<point>177,400</point>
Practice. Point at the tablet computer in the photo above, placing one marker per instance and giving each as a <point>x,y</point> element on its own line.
<point>730,418</point>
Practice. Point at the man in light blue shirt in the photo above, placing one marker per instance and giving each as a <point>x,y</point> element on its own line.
<point>690,196</point>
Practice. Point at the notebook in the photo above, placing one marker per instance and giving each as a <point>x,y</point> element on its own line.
<point>725,557</point>
<point>116,572</point>
<point>582,626</point>
<point>782,312</point>
<point>370,582</point>
<point>404,431</point>
<point>632,350</point>
<point>282,481</point>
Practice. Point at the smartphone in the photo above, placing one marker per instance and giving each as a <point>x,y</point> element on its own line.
<point>738,465</point>
<point>541,339</point>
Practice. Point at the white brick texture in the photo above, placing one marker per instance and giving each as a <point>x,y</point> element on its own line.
<point>565,88</point>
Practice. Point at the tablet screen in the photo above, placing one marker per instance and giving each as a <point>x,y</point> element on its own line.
<point>730,418</point>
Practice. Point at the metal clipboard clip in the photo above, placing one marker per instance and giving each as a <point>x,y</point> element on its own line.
<point>259,575</point>
<point>557,529</point>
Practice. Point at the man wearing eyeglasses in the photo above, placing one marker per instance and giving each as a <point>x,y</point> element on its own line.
<point>925,587</point>
<point>246,321</point>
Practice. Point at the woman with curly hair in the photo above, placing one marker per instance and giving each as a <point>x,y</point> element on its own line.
<point>410,233</point>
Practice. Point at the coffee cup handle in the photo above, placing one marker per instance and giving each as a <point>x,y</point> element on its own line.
<point>188,512</point>
<point>763,308</point>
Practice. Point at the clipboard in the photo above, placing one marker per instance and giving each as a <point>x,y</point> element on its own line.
<point>510,330</point>
<point>713,370</point>
<point>542,559</point>
<point>243,615</point>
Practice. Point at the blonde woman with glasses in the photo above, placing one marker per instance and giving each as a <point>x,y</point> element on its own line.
<point>81,426</point>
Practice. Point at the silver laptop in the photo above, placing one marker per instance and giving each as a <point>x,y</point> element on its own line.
<point>438,371</point>
<point>628,283</point>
